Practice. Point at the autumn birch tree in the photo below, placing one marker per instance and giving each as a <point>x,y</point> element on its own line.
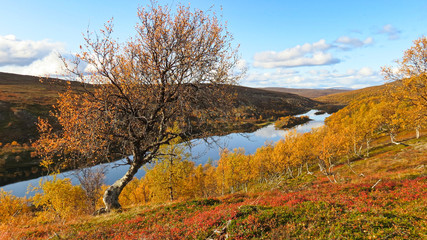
<point>165,83</point>
<point>409,79</point>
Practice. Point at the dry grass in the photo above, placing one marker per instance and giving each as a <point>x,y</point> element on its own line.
<point>345,98</point>
<point>309,93</point>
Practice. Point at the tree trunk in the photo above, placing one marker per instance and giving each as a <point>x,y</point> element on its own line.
<point>392,139</point>
<point>171,196</point>
<point>290,172</point>
<point>171,193</point>
<point>111,195</point>
<point>368,147</point>
<point>308,171</point>
<point>222,183</point>
<point>417,131</point>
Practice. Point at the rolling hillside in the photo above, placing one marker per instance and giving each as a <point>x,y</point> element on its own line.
<point>24,98</point>
<point>343,98</point>
<point>271,104</point>
<point>308,93</point>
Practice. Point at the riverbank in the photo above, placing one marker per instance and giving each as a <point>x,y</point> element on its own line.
<point>19,163</point>
<point>201,151</point>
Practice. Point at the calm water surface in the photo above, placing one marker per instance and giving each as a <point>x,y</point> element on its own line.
<point>201,152</point>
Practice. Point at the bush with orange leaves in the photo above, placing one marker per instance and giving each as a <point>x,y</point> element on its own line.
<point>12,206</point>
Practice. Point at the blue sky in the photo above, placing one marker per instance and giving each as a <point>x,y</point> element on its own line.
<point>299,44</point>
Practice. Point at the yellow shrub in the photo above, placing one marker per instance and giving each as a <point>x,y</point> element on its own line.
<point>136,192</point>
<point>59,198</point>
<point>100,202</point>
<point>11,206</point>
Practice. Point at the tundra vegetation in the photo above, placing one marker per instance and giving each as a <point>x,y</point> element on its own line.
<point>362,175</point>
<point>290,121</point>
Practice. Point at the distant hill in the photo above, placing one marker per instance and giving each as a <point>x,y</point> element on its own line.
<point>346,97</point>
<point>309,93</point>
<point>24,98</point>
<point>271,103</point>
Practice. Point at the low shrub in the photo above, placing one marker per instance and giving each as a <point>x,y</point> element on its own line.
<point>11,206</point>
<point>59,199</point>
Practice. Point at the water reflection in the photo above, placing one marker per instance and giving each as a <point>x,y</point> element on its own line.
<point>201,151</point>
<point>269,132</point>
<point>250,141</point>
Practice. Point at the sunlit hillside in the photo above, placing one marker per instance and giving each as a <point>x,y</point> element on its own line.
<point>309,93</point>
<point>346,97</point>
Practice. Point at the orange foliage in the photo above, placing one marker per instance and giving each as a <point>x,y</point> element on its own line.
<point>410,74</point>
<point>12,207</point>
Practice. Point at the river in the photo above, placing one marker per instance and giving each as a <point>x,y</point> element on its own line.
<point>200,151</point>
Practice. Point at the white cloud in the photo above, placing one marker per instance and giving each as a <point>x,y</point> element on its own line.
<point>321,78</point>
<point>314,54</point>
<point>90,68</point>
<point>14,51</point>
<point>242,64</point>
<point>346,43</point>
<point>301,55</point>
<point>389,30</point>
<point>48,65</point>
<point>365,71</point>
<point>30,57</point>
<point>241,67</point>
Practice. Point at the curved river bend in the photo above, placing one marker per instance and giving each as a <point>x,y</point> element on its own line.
<point>201,152</point>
